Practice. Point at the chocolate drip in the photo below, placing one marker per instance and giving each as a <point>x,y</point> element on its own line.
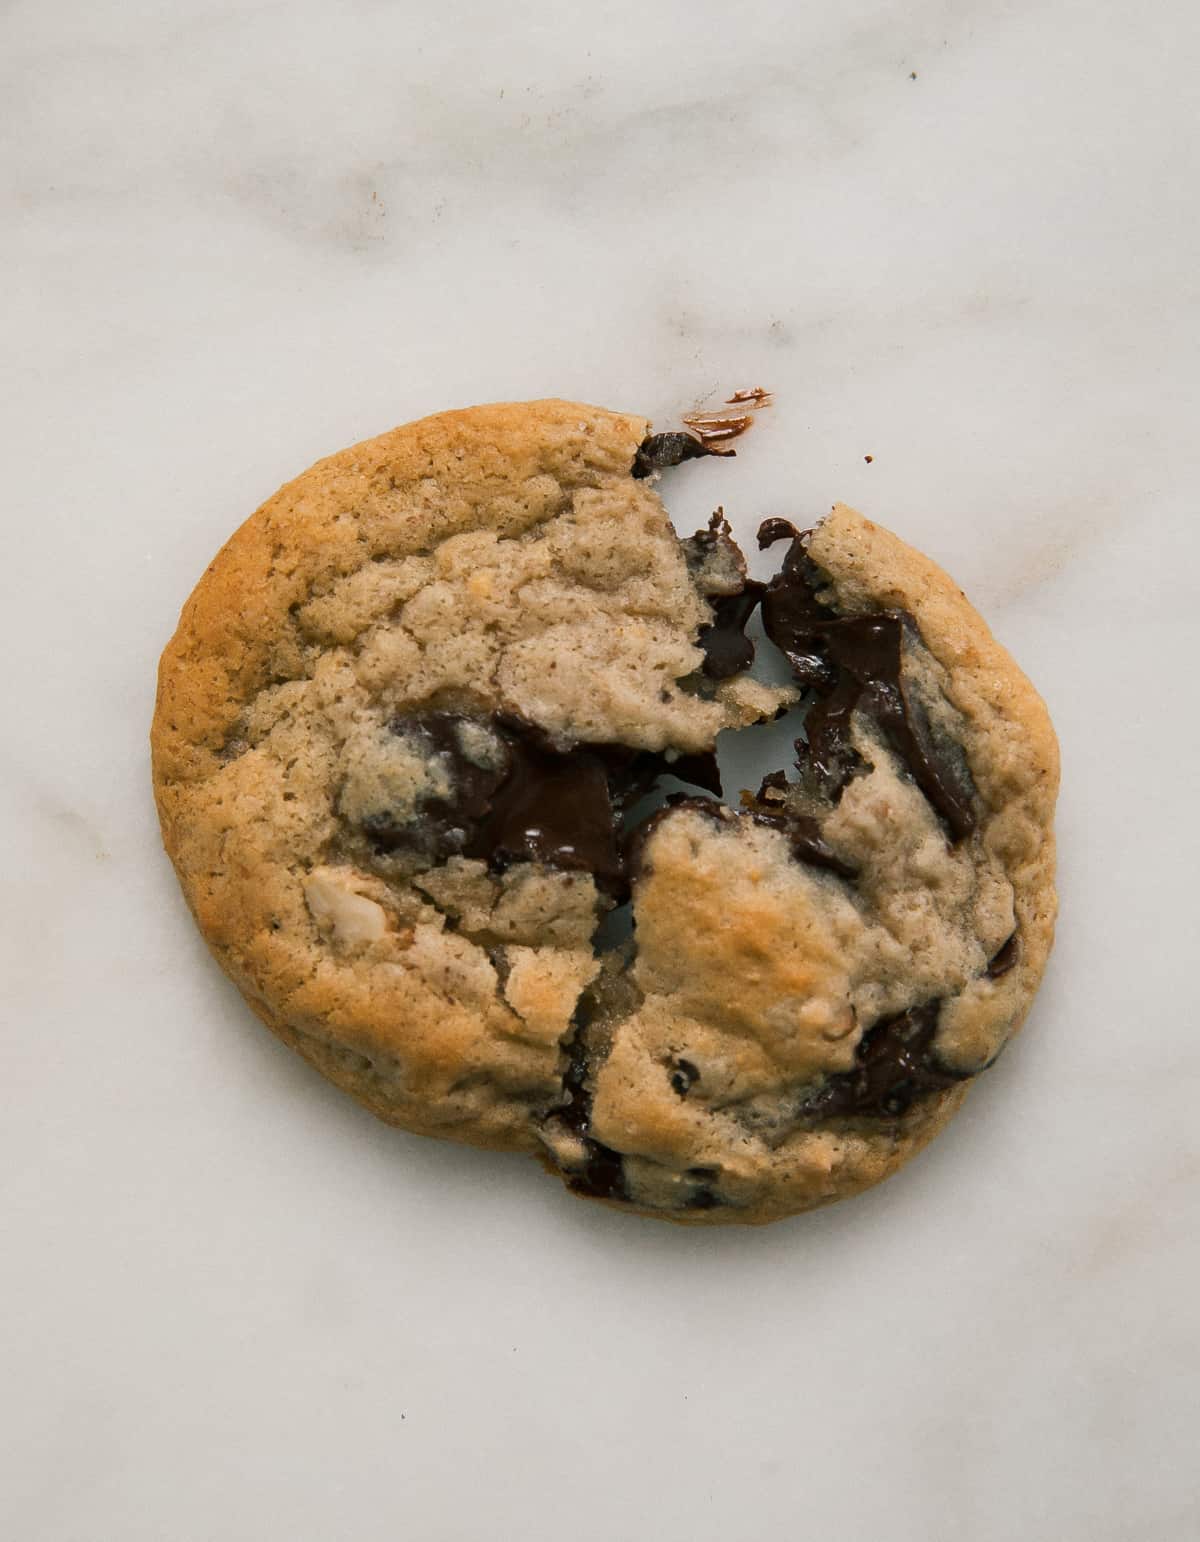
<point>895,1066</point>
<point>853,663</point>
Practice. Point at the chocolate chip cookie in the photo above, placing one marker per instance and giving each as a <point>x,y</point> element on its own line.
<point>434,760</point>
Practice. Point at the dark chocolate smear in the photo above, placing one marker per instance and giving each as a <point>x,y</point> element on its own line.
<point>1004,960</point>
<point>853,663</point>
<point>659,451</point>
<point>538,803</point>
<point>895,1066</point>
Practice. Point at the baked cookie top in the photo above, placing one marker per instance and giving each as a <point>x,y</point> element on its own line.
<point>405,738</point>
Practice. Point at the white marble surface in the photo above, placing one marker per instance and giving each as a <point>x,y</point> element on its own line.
<point>238,236</point>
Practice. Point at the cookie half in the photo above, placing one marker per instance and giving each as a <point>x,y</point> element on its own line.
<point>411,746</point>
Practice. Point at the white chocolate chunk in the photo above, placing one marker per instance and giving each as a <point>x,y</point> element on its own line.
<point>352,918</point>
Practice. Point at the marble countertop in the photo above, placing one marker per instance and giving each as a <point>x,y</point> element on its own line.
<point>960,243</point>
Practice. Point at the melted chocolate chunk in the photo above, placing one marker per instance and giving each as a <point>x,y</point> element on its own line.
<point>895,1066</point>
<point>727,650</point>
<point>853,663</point>
<point>1004,960</point>
<point>683,1076</point>
<point>533,802</point>
<point>719,570</point>
<point>707,433</point>
<point>603,1175</point>
<point>659,451</point>
<point>543,806</point>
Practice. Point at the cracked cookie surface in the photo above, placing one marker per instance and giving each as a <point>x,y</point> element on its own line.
<point>403,743</point>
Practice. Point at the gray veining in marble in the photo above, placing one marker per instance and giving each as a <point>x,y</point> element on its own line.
<point>960,240</point>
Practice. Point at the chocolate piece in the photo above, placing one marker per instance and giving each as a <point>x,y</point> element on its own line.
<point>536,803</point>
<point>682,1076</point>
<point>727,651</point>
<point>853,663</point>
<point>552,809</point>
<point>719,572</point>
<point>659,451</point>
<point>707,434</point>
<point>1004,960</point>
<point>714,428</point>
<point>895,1066</point>
<point>603,1175</point>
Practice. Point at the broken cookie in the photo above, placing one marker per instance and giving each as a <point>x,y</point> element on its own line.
<point>434,760</point>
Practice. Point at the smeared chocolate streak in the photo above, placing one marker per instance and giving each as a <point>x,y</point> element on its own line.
<point>853,663</point>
